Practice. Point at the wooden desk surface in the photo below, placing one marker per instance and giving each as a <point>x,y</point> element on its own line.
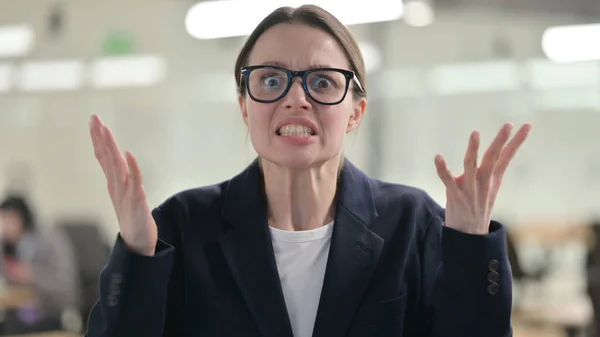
<point>49,334</point>
<point>12,297</point>
<point>524,330</point>
<point>576,313</point>
<point>550,235</point>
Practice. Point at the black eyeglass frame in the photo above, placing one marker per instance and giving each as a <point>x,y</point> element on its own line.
<point>303,74</point>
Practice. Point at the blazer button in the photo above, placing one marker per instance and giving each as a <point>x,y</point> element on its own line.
<point>493,288</point>
<point>494,265</point>
<point>493,277</point>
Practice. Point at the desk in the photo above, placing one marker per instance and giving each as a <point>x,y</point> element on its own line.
<point>551,234</point>
<point>524,330</point>
<point>12,297</point>
<point>49,334</point>
<point>571,316</point>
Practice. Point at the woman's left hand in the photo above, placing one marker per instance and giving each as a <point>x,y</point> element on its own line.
<point>470,197</point>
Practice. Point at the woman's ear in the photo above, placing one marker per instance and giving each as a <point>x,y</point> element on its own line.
<point>243,109</point>
<point>360,106</point>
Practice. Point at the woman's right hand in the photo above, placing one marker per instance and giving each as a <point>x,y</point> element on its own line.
<point>124,178</point>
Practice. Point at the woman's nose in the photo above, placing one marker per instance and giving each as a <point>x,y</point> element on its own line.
<point>296,96</point>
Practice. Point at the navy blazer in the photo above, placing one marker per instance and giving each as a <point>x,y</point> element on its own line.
<point>393,269</point>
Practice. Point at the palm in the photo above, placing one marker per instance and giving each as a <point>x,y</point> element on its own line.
<point>124,180</point>
<point>471,196</point>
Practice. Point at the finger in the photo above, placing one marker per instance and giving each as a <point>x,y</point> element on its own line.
<point>135,173</point>
<point>490,158</point>
<point>505,158</point>
<point>511,149</point>
<point>443,172</point>
<point>492,199</point>
<point>117,166</point>
<point>95,126</point>
<point>470,162</point>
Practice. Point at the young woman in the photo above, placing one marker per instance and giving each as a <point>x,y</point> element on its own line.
<point>302,243</point>
<point>41,261</point>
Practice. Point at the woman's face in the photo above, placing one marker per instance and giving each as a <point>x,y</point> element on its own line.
<point>11,225</point>
<point>278,130</point>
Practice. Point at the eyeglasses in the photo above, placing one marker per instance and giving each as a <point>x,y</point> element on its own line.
<point>328,86</point>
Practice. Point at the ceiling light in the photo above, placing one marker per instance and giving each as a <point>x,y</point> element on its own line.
<point>572,43</point>
<point>227,18</point>
<point>371,55</point>
<point>418,13</point>
<point>6,73</point>
<point>15,40</point>
<point>128,71</point>
<point>63,75</point>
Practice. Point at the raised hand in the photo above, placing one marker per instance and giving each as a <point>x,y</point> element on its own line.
<point>470,197</point>
<point>124,178</point>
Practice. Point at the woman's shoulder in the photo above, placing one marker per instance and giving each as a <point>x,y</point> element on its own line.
<point>212,197</point>
<point>198,198</point>
<point>404,211</point>
<point>196,209</point>
<point>394,195</point>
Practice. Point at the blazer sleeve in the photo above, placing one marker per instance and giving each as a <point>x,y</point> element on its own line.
<point>468,282</point>
<point>141,295</point>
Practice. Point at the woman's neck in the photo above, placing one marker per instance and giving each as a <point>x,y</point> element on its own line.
<point>300,199</point>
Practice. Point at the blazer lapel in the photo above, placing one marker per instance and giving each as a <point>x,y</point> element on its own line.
<point>353,255</point>
<point>248,249</point>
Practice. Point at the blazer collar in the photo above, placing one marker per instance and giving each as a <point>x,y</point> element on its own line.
<point>353,255</point>
<point>245,195</point>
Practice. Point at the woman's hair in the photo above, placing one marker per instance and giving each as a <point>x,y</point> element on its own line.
<point>313,16</point>
<point>19,205</point>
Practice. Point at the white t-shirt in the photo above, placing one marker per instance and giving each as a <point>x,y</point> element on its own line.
<point>301,260</point>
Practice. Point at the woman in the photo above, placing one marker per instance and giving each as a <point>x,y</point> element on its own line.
<point>42,261</point>
<point>302,243</point>
<point>592,264</point>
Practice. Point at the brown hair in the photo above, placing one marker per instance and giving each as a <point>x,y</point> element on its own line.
<point>313,16</point>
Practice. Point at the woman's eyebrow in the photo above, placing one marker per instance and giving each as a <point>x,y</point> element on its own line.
<point>282,65</point>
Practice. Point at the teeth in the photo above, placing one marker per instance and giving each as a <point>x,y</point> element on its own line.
<point>295,130</point>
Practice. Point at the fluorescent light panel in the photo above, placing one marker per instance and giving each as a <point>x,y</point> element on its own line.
<point>566,99</point>
<point>544,74</point>
<point>418,13</point>
<point>129,71</point>
<point>16,40</point>
<point>6,72</point>
<point>227,18</point>
<point>61,75</point>
<point>371,55</point>
<point>475,78</point>
<point>572,43</point>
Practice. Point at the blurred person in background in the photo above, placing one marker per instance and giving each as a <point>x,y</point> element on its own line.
<point>520,274</point>
<point>302,243</point>
<point>593,275</point>
<point>41,261</point>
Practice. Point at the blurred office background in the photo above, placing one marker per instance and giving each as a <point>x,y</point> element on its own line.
<point>160,73</point>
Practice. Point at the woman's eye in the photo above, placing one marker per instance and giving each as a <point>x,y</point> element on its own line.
<point>272,81</point>
<point>321,83</point>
